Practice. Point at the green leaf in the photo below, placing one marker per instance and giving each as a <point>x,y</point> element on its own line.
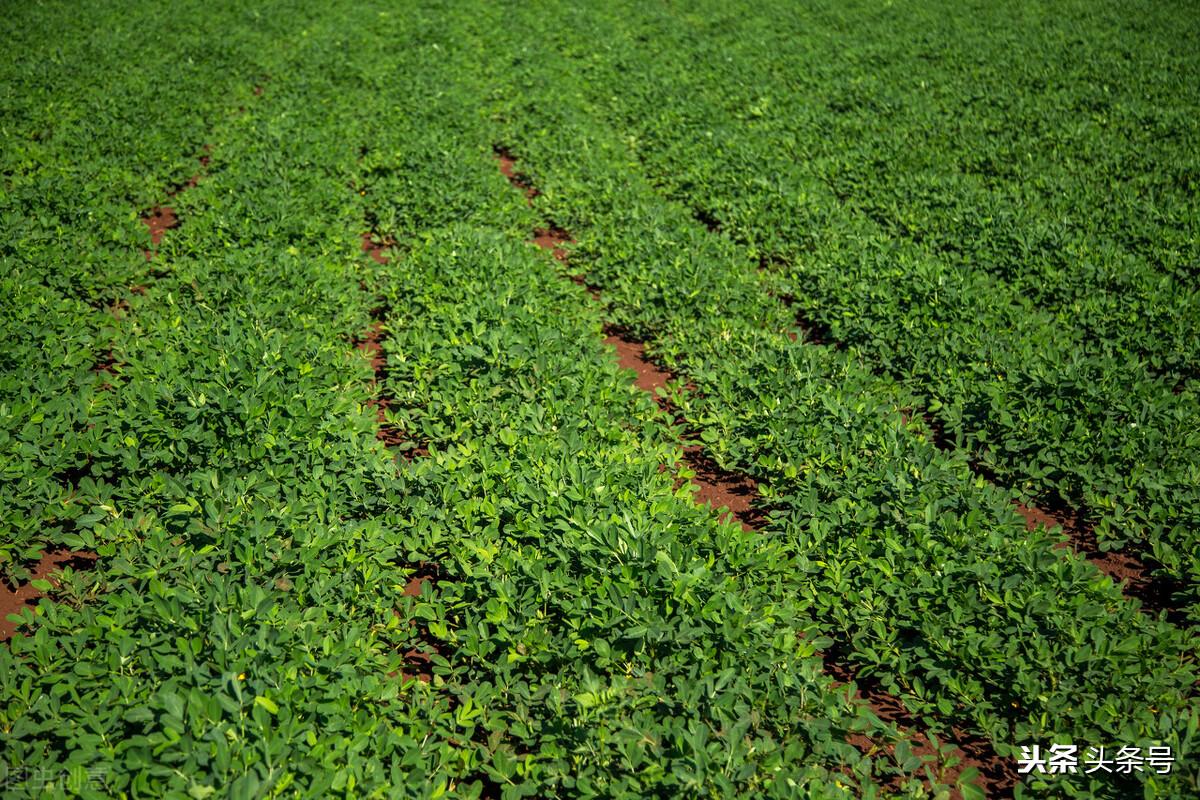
<point>267,703</point>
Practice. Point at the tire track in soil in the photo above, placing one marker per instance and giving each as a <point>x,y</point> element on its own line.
<point>732,496</point>
<point>1126,567</point>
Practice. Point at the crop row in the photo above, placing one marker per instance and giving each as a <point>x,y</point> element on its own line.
<point>484,357</point>
<point>82,162</point>
<point>270,579</point>
<point>1022,260</point>
<point>927,569</point>
<point>969,761</point>
<point>971,764</point>
<point>528,602</point>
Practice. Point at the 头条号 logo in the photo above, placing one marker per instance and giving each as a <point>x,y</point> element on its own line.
<point>1070,759</point>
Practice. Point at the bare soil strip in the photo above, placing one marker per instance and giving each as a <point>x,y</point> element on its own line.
<point>508,168</point>
<point>12,601</point>
<point>732,495</point>
<point>631,355</point>
<point>375,247</point>
<point>552,239</point>
<point>1127,570</point>
<point>729,493</point>
<point>371,342</point>
<point>418,660</point>
<point>160,220</point>
<point>997,776</point>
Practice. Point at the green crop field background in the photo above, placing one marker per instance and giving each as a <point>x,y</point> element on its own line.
<point>321,480</point>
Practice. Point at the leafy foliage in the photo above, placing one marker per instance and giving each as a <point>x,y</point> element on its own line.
<point>924,567</point>
<point>523,600</point>
<point>994,208</point>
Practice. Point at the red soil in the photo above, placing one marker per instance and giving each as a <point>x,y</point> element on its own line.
<point>375,249</point>
<point>552,239</point>
<point>11,602</point>
<point>204,160</point>
<point>508,167</point>
<point>998,776</point>
<point>421,663</point>
<point>160,220</point>
<point>420,660</point>
<point>631,355</point>
<point>1125,568</point>
<point>372,343</point>
<point>728,492</point>
<point>717,488</point>
<point>1118,566</point>
<point>1135,578</point>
